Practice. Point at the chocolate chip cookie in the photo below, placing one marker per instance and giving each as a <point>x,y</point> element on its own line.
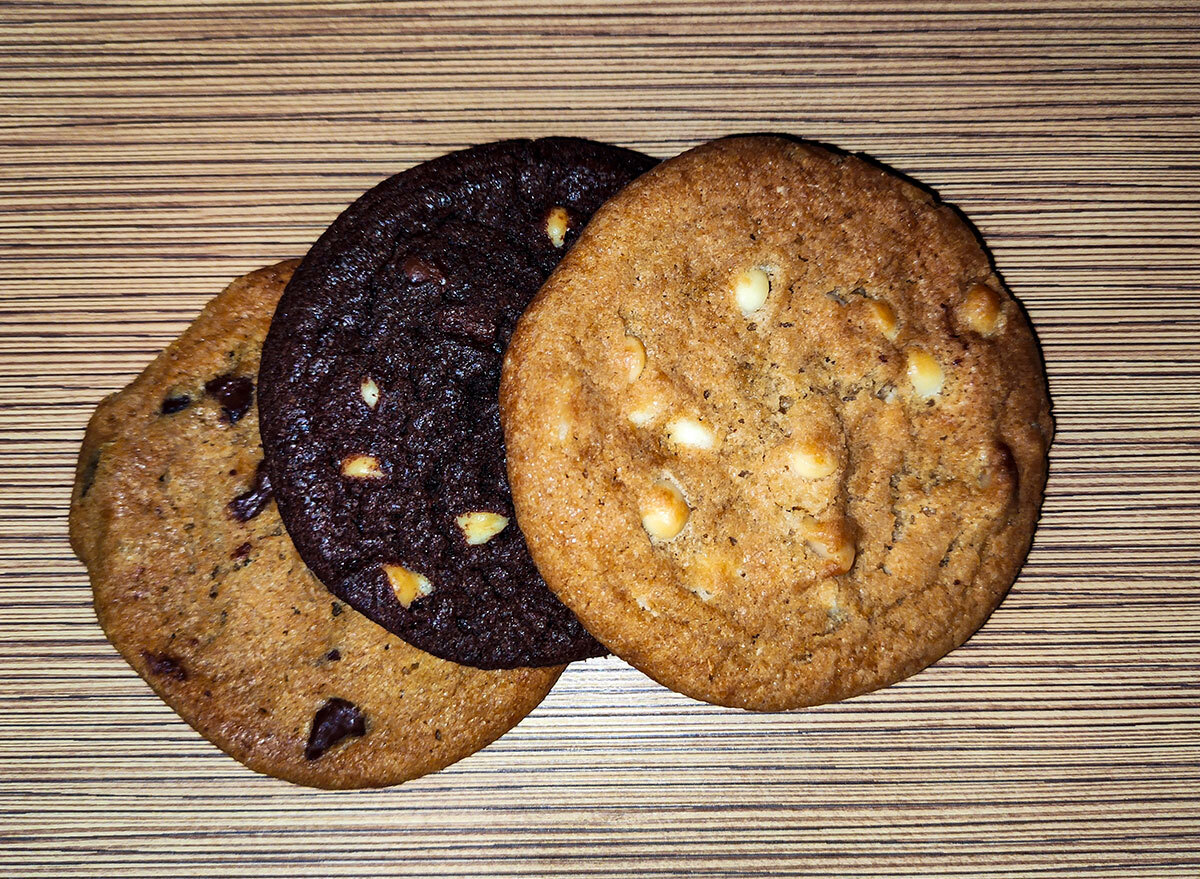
<point>379,395</point>
<point>198,586</point>
<point>777,432</point>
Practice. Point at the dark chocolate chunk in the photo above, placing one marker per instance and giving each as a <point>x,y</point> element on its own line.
<point>419,271</point>
<point>241,552</point>
<point>333,655</point>
<point>164,665</point>
<point>171,405</point>
<point>335,720</point>
<point>249,504</point>
<point>418,285</point>
<point>234,394</point>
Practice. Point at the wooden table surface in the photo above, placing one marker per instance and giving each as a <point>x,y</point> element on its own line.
<point>151,152</point>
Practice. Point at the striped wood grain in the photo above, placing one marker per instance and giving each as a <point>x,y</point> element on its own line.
<point>150,152</point>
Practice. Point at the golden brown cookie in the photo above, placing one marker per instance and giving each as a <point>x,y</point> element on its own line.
<point>776,431</point>
<point>198,586</point>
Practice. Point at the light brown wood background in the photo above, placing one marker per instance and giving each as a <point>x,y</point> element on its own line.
<point>151,152</point>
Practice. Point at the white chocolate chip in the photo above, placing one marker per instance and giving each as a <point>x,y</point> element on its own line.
<point>689,432</point>
<point>557,222</point>
<point>831,543</point>
<point>808,460</point>
<point>407,585</point>
<point>842,556</point>
<point>361,467</point>
<point>562,406</point>
<point>827,596</point>
<point>481,526</point>
<point>370,392</point>
<point>645,605</point>
<point>664,511</point>
<point>925,373</point>
<point>885,318</point>
<point>981,309</point>
<point>645,413</point>
<point>802,471</point>
<point>750,290</point>
<point>633,357</point>
<point>710,573</point>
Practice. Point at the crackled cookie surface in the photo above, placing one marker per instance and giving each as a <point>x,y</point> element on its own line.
<point>776,431</point>
<point>379,395</point>
<point>198,586</point>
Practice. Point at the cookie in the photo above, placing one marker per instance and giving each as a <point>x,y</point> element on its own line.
<point>379,395</point>
<point>198,586</point>
<point>776,431</point>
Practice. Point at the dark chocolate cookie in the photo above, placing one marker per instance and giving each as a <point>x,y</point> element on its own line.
<point>379,385</point>
<point>199,588</point>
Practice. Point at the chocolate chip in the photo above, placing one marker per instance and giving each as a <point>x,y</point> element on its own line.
<point>334,721</point>
<point>333,655</point>
<point>337,608</point>
<point>233,393</point>
<point>241,552</point>
<point>419,270</point>
<point>246,506</point>
<point>164,665</point>
<point>171,405</point>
